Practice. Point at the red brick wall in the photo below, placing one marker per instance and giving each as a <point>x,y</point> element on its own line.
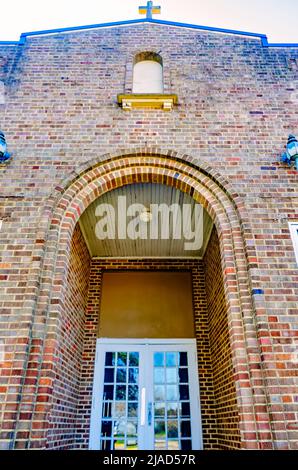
<point>67,381</point>
<point>236,108</point>
<point>228,435</point>
<point>209,423</point>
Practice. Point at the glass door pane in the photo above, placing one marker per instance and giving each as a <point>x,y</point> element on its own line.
<point>120,401</point>
<point>171,403</point>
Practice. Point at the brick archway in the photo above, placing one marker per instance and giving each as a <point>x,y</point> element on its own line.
<point>226,210</point>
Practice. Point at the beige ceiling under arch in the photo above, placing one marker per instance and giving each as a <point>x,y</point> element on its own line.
<point>146,194</point>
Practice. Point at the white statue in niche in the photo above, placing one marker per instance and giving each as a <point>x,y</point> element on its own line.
<point>147,77</point>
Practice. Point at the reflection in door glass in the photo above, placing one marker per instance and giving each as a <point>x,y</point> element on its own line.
<point>172,429</point>
<point>172,409</point>
<point>172,392</point>
<point>120,405</point>
<point>120,410</point>
<point>159,375</point>
<point>171,375</point>
<point>159,409</point>
<point>121,375</point>
<point>171,359</point>
<point>159,392</point>
<point>133,375</point>
<point>132,410</point>
<point>159,359</point>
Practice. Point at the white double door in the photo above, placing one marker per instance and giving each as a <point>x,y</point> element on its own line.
<point>145,395</point>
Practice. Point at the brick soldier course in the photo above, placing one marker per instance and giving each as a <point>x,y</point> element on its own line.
<point>71,143</point>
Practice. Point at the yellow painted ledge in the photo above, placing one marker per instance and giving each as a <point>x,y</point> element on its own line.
<point>148,100</point>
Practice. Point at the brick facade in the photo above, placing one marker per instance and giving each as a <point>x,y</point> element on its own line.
<point>71,143</point>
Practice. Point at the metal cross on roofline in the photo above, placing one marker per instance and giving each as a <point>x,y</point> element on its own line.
<point>149,10</point>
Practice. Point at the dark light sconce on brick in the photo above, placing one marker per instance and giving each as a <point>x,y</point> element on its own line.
<point>4,155</point>
<point>291,153</point>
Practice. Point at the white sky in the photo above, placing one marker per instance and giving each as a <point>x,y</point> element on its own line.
<point>277,19</point>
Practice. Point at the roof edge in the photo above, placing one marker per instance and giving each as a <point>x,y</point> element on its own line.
<point>262,37</point>
<point>9,43</point>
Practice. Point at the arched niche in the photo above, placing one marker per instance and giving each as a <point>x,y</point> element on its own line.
<point>148,73</point>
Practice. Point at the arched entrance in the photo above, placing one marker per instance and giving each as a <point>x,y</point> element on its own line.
<point>70,333</point>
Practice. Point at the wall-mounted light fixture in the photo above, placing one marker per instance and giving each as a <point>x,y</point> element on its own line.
<point>4,155</point>
<point>291,153</point>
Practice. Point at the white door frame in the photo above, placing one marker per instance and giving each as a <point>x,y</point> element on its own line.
<point>145,345</point>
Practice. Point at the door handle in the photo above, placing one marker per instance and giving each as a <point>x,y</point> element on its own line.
<point>149,413</point>
<point>143,406</point>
